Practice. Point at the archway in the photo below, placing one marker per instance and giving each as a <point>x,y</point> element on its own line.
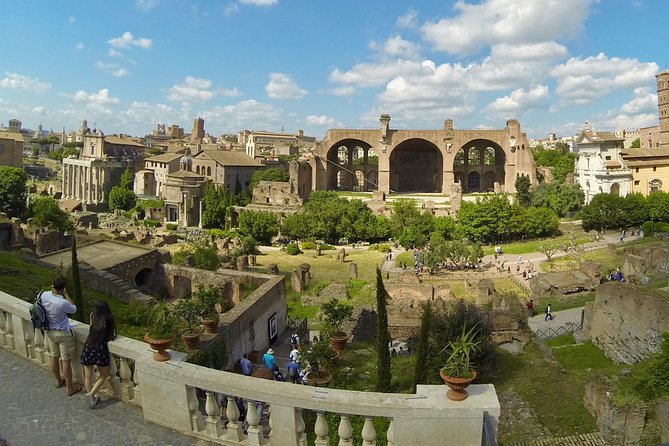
<point>416,165</point>
<point>144,278</point>
<point>347,157</point>
<point>615,189</point>
<point>485,158</point>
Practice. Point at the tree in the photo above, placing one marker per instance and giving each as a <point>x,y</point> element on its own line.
<point>549,250</point>
<point>561,161</point>
<point>560,197</point>
<point>487,219</point>
<point>409,226</point>
<point>121,198</point>
<point>46,214</point>
<point>13,191</point>
<point>216,203</point>
<point>658,206</point>
<point>382,337</point>
<point>126,179</point>
<point>636,144</point>
<point>603,212</point>
<point>523,194</point>
<point>271,174</point>
<point>420,371</point>
<point>262,226</point>
<point>78,297</point>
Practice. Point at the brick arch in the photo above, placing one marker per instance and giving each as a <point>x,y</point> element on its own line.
<point>416,166</point>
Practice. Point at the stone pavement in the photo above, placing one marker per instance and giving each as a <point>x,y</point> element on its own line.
<point>33,412</point>
<point>560,318</point>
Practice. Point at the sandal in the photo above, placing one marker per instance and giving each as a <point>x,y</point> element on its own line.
<point>77,389</point>
<point>60,384</point>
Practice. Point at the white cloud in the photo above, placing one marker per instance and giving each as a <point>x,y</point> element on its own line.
<point>79,46</point>
<point>520,100</point>
<point>39,110</point>
<point>347,90</point>
<point>580,81</point>
<point>624,121</point>
<point>146,5</point>
<point>321,120</point>
<point>644,101</point>
<point>506,21</point>
<point>114,53</point>
<point>71,19</point>
<point>376,74</point>
<point>282,86</point>
<point>145,112</point>
<point>229,92</point>
<point>396,46</point>
<point>259,2</point>
<point>112,68</point>
<point>248,114</point>
<point>231,9</point>
<point>19,81</point>
<point>100,98</point>
<point>408,20</point>
<point>192,90</point>
<point>127,40</point>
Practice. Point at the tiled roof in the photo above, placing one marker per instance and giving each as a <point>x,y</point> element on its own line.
<point>123,141</point>
<point>660,152</point>
<point>228,158</point>
<point>165,157</point>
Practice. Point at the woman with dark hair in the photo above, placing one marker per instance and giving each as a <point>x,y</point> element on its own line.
<point>95,351</point>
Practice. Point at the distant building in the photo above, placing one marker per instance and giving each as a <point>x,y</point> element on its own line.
<point>151,180</point>
<point>226,168</point>
<point>183,192</point>
<point>175,132</point>
<point>628,136</point>
<point>649,137</point>
<point>600,167</point>
<point>270,143</point>
<point>14,126</point>
<point>197,134</point>
<point>11,148</point>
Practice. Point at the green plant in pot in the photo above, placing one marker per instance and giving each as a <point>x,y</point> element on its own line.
<point>334,313</point>
<point>190,311</point>
<point>162,326</point>
<point>209,296</point>
<point>458,371</point>
<point>319,360</point>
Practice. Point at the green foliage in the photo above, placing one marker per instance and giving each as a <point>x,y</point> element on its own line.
<point>457,252</point>
<point>561,162</point>
<point>247,246</point>
<point>121,198</point>
<point>308,244</point>
<point>216,202</point>
<point>292,249</point>
<point>171,226</point>
<point>204,256</point>
<point>221,233</point>
<point>262,226</point>
<point>189,311</point>
<point>636,144</point>
<point>155,151</point>
<point>420,371</point>
<point>13,191</point>
<point>650,228</point>
<point>354,286</point>
<point>46,214</point>
<point>214,356</point>
<point>62,152</point>
<point>153,203</point>
<point>382,337</point>
<point>271,174</point>
<point>658,206</point>
<point>460,351</point>
<point>651,378</point>
<point>208,295</point>
<point>409,226</point>
<point>319,356</point>
<point>334,313</point>
<point>127,179</point>
<point>147,222</point>
<point>561,198</point>
<point>161,321</point>
<point>523,194</point>
<point>606,211</point>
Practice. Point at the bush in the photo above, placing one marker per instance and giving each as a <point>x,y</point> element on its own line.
<point>221,233</point>
<point>355,285</point>
<point>650,228</point>
<point>171,226</point>
<point>308,245</point>
<point>326,247</point>
<point>151,223</point>
<point>292,249</point>
<point>652,376</point>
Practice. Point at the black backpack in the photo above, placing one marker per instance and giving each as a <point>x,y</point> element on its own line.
<point>38,314</point>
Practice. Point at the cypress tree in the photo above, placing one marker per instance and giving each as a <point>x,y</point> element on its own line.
<point>420,373</point>
<point>382,337</point>
<point>77,295</point>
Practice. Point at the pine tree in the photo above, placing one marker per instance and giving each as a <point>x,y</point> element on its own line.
<point>382,337</point>
<point>78,297</point>
<point>420,373</point>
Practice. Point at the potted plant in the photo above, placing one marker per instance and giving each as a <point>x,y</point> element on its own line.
<point>209,296</point>
<point>319,359</point>
<point>334,313</point>
<point>190,311</point>
<point>458,371</point>
<point>161,330</point>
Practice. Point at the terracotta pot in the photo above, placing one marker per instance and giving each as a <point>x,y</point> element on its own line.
<point>160,345</point>
<point>338,341</point>
<point>457,386</point>
<point>211,325</point>
<point>191,340</point>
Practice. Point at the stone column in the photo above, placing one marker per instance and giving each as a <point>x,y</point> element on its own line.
<point>284,425</point>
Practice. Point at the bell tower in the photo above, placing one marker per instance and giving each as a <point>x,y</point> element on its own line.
<point>663,105</point>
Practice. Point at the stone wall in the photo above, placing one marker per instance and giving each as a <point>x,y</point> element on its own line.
<point>558,284</point>
<point>129,270</point>
<point>626,321</point>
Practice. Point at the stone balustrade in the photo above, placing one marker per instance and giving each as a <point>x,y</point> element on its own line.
<point>187,398</point>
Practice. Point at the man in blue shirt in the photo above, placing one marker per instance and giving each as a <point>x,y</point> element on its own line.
<point>293,372</point>
<point>269,360</point>
<point>247,367</point>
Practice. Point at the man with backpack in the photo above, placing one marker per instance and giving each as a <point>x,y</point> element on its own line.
<point>58,305</point>
<point>294,372</point>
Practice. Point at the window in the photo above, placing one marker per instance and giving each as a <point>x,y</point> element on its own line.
<point>636,182</point>
<point>208,170</point>
<point>654,169</point>
<point>655,185</point>
<point>608,157</point>
<point>636,170</point>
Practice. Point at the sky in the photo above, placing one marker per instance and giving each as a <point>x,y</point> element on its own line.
<point>126,65</point>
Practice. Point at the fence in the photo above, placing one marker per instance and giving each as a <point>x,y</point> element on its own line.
<point>550,332</point>
<point>298,326</point>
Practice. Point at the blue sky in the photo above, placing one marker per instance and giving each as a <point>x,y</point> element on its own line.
<point>126,65</point>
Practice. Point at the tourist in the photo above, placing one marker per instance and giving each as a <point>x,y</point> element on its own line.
<point>269,360</point>
<point>58,306</point>
<point>294,355</point>
<point>95,352</point>
<point>549,313</point>
<point>530,308</point>
<point>295,341</point>
<point>246,365</point>
<point>294,372</point>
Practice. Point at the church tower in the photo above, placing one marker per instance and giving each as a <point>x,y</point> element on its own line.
<point>663,105</point>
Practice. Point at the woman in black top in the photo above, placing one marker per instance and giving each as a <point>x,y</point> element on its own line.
<point>96,352</point>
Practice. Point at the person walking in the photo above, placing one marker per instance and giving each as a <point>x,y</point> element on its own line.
<point>58,305</point>
<point>95,352</point>
<point>549,313</point>
<point>530,308</point>
<point>294,355</point>
<point>294,372</point>
<point>246,365</point>
<point>295,341</point>
<point>269,361</point>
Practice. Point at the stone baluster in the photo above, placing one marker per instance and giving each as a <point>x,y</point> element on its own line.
<point>214,426</point>
<point>321,430</point>
<point>345,431</point>
<point>234,428</point>
<point>3,328</point>
<point>299,428</point>
<point>196,422</point>
<point>113,379</point>
<point>127,386</point>
<point>40,341</point>
<point>368,432</point>
<point>9,329</point>
<point>390,435</point>
<point>254,431</point>
<point>137,392</point>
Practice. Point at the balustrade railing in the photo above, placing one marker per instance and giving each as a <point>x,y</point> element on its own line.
<point>275,412</point>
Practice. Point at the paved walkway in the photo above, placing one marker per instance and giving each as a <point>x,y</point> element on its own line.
<point>34,413</point>
<point>560,318</point>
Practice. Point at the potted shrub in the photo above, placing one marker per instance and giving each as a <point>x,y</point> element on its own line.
<point>458,371</point>
<point>334,313</point>
<point>209,296</point>
<point>319,359</point>
<point>161,330</point>
<point>190,311</point>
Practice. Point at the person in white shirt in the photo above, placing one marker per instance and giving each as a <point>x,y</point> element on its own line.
<point>294,355</point>
<point>58,306</point>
